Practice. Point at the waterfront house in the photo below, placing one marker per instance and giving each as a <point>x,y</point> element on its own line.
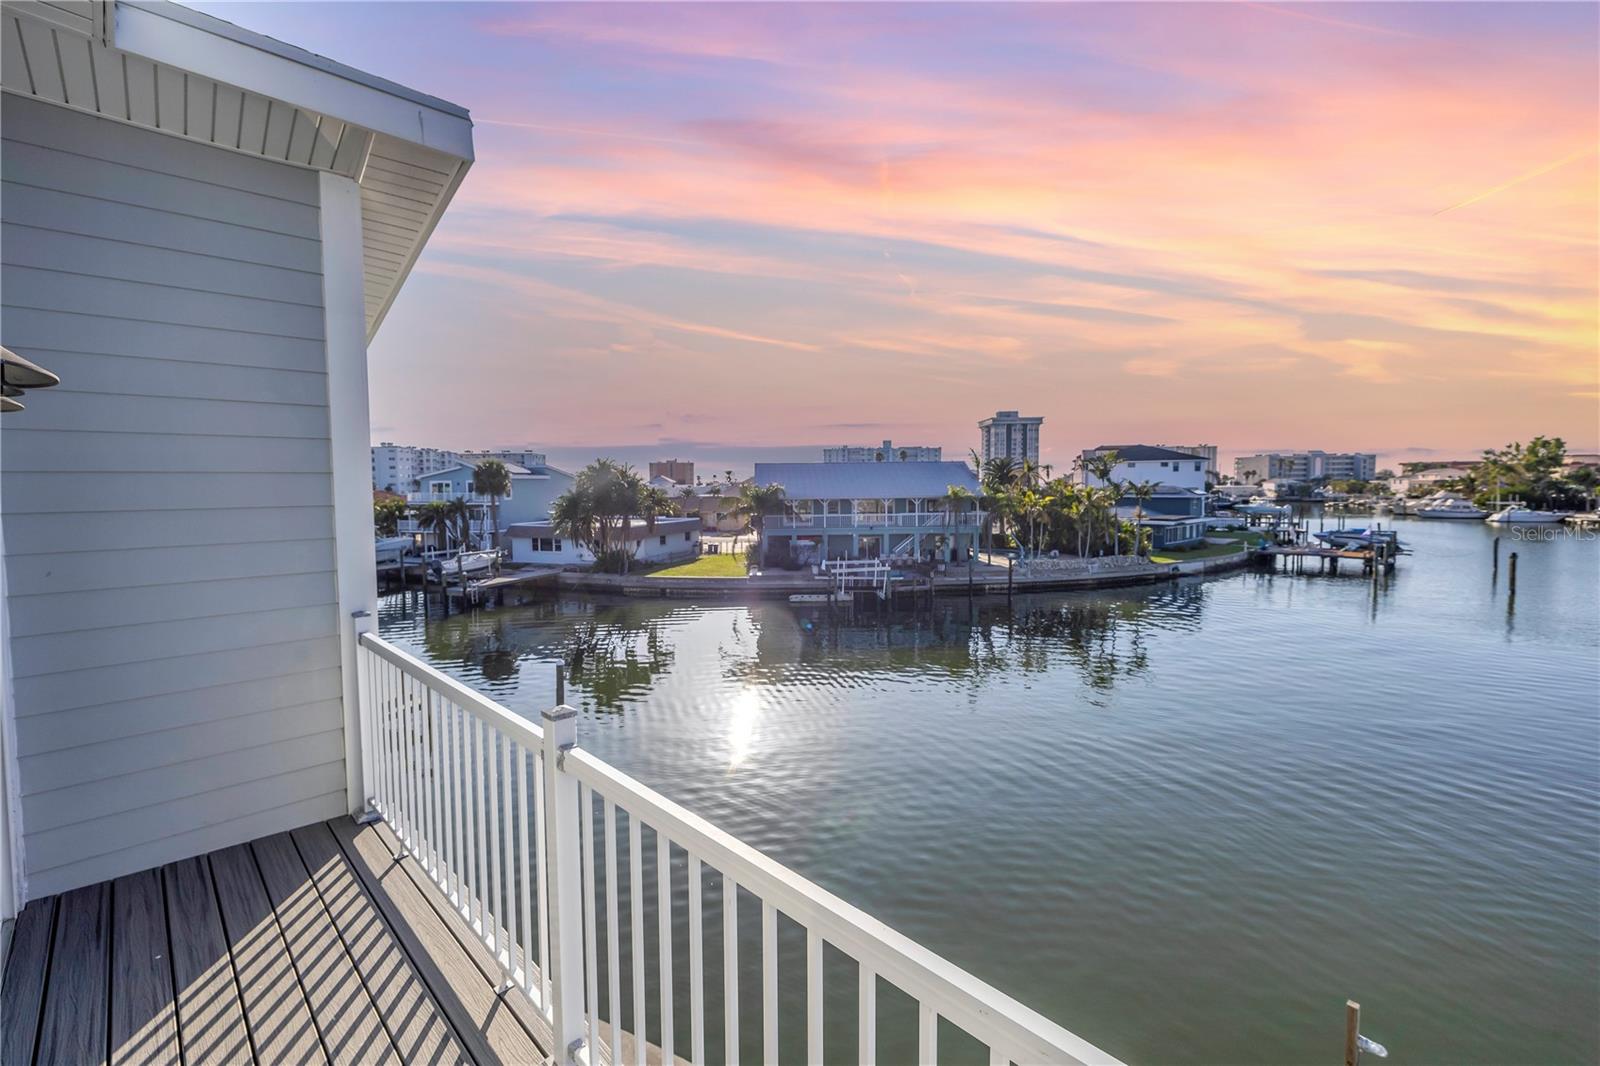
<point>533,493</point>
<point>1427,479</point>
<point>203,228</point>
<point>716,505</point>
<point>869,511</point>
<point>1144,462</point>
<point>670,540</point>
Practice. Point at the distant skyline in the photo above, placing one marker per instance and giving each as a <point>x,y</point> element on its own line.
<point>1349,226</point>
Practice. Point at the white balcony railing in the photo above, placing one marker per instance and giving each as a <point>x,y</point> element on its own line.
<point>445,497</point>
<point>514,824</point>
<point>931,522</point>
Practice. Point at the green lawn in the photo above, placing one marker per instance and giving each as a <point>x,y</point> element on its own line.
<point>730,565</point>
<point>1211,551</point>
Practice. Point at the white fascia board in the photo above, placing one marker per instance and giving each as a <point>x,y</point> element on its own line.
<point>184,39</point>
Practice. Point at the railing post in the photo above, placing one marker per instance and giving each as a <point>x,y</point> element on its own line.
<point>565,887</point>
<point>364,748</point>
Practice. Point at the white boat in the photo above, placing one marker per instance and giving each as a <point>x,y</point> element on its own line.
<point>464,564</point>
<point>392,549</point>
<point>1358,538</point>
<point>1518,515</point>
<point>1449,505</point>
<point>1258,507</point>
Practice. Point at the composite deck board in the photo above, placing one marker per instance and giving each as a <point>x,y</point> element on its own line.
<point>299,948</point>
<point>275,1008</point>
<point>144,1018</point>
<point>419,1030</point>
<point>23,984</point>
<point>73,1026</point>
<point>343,1011</point>
<point>474,948</point>
<point>485,1024</point>
<point>210,1017</point>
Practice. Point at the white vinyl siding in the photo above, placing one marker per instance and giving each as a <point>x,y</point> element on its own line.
<point>168,508</point>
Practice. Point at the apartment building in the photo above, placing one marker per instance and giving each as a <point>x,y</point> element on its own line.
<point>1305,466</point>
<point>1010,435</point>
<point>883,453</point>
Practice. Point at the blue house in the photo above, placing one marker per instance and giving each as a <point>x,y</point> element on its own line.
<point>870,511</point>
<point>533,492</point>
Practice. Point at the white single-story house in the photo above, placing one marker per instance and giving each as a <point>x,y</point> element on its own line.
<point>870,511</point>
<point>1145,462</point>
<point>670,540</point>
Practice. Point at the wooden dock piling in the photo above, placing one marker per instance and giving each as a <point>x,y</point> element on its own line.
<point>1352,1033</point>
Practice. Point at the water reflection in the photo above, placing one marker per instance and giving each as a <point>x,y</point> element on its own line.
<point>616,652</point>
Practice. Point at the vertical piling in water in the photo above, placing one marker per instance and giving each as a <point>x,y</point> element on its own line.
<point>1496,568</point>
<point>561,684</point>
<point>1511,575</point>
<point>1352,1032</point>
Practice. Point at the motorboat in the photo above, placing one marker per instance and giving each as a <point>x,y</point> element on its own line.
<point>392,549</point>
<point>1258,506</point>
<point>1357,538</point>
<point>1449,505</point>
<point>1517,515</point>
<point>464,565</point>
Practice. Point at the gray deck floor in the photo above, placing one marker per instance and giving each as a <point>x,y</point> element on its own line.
<point>314,946</point>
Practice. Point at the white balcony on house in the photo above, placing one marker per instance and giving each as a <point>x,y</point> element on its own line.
<point>931,521</point>
<point>442,496</point>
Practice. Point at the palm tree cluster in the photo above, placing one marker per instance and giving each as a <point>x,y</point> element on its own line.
<point>1044,514</point>
<point>1535,473</point>
<point>449,520</point>
<point>597,513</point>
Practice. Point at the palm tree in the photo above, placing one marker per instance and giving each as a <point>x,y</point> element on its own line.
<point>491,478</point>
<point>756,502</point>
<point>1142,492</point>
<point>957,498</point>
<point>598,511</point>
<point>572,517</point>
<point>434,517</point>
<point>655,503</point>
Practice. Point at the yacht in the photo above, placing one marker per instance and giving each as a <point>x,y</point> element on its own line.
<point>1449,505</point>
<point>1517,515</point>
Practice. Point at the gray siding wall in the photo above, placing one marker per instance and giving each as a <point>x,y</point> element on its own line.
<point>168,508</point>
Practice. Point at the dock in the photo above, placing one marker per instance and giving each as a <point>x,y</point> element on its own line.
<point>493,589</point>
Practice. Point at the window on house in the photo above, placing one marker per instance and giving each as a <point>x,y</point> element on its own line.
<point>686,536</point>
<point>546,544</point>
<point>1197,466</point>
<point>663,540</point>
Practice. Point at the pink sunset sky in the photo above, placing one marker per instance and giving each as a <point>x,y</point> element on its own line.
<point>705,229</point>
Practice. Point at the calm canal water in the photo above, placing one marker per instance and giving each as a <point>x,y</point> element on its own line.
<point>1186,822</point>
